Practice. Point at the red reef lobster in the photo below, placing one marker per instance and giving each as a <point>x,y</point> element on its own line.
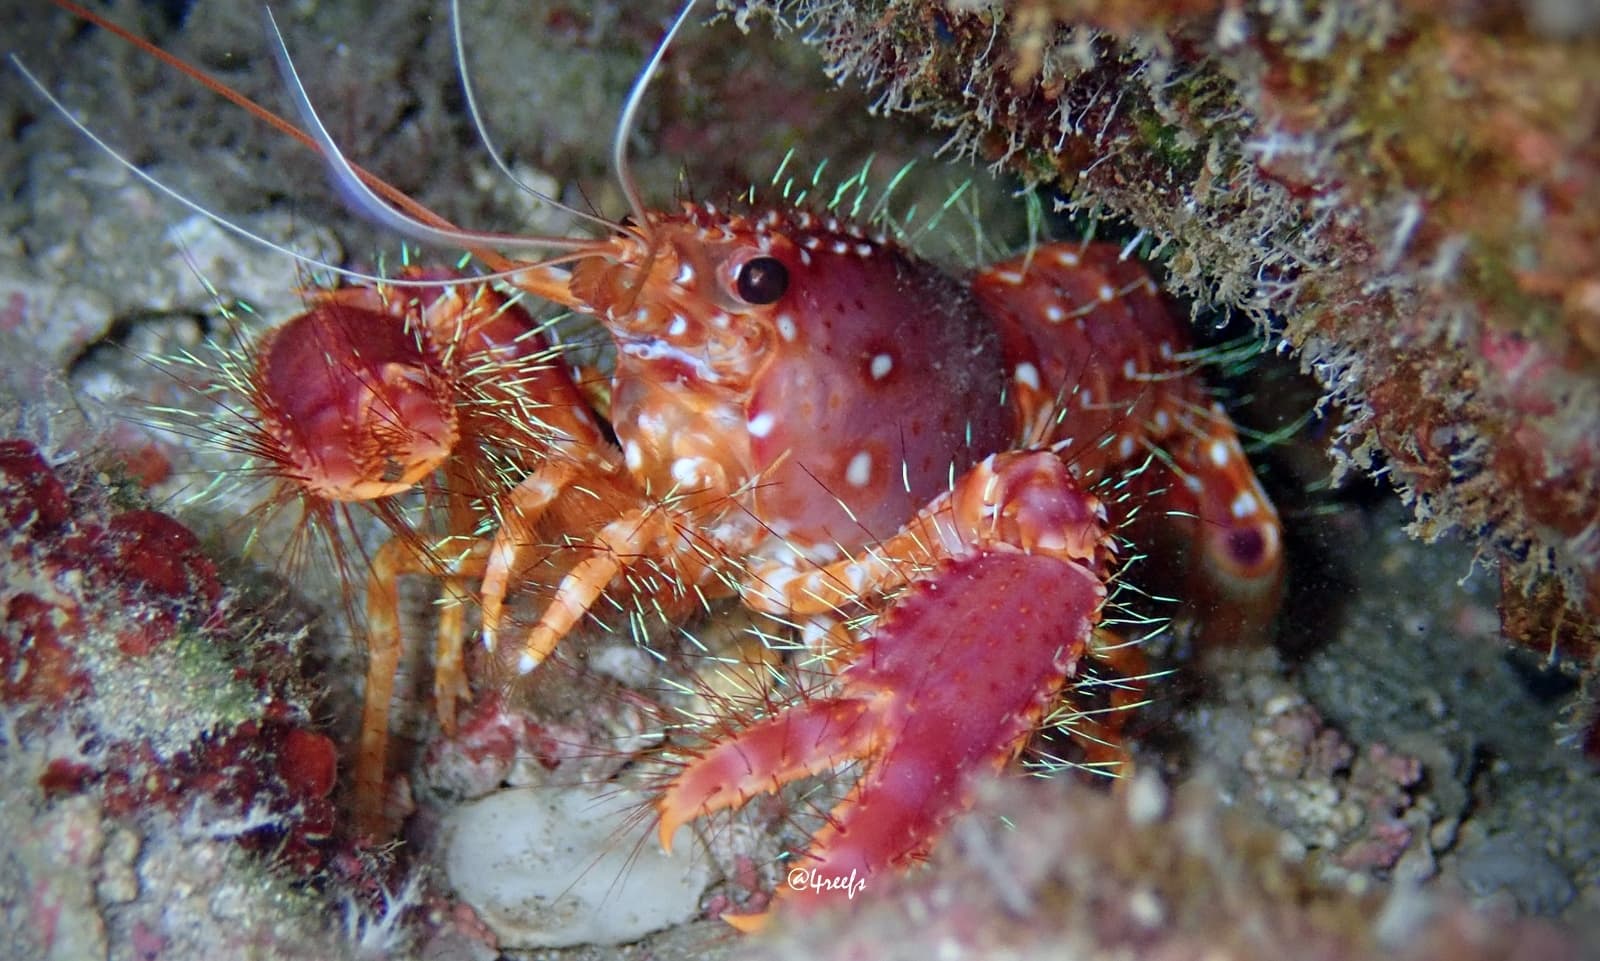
<point>880,451</point>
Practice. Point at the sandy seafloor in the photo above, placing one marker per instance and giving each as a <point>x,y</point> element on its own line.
<point>1387,648</point>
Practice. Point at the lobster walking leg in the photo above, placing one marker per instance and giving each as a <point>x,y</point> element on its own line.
<point>1105,378</point>
<point>396,558</point>
<point>1236,542</point>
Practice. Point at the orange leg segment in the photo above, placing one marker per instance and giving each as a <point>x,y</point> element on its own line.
<point>396,558</point>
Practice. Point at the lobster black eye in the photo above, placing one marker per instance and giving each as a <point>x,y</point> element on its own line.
<point>762,280</point>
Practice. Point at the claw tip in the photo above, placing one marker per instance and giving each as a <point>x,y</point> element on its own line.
<point>747,923</point>
<point>669,826</point>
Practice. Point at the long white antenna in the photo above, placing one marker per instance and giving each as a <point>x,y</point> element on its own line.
<point>156,185</point>
<point>362,198</point>
<point>483,128</point>
<point>630,110</point>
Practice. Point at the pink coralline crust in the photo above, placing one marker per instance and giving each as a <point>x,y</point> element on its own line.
<point>480,756</point>
<point>279,775</point>
<point>149,574</point>
<point>495,737</point>
<point>93,591</point>
<point>1523,366</point>
<point>1356,806</point>
<point>31,495</point>
<point>36,659</point>
<point>148,571</point>
<point>149,550</point>
<point>308,762</point>
<point>146,942</point>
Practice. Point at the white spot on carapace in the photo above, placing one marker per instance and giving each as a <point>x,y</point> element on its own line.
<point>1193,483</point>
<point>811,243</point>
<point>761,424</point>
<point>1165,350</point>
<point>1028,375</point>
<point>824,552</point>
<point>1067,258</point>
<point>858,473</point>
<point>1125,447</point>
<point>1085,397</point>
<point>1218,452</point>
<point>864,250</point>
<point>805,257</point>
<point>686,471</point>
<point>786,328</point>
<point>1054,313</point>
<point>1011,277</point>
<point>542,490</point>
<point>685,274</point>
<point>840,247</point>
<point>632,456</point>
<point>775,583</point>
<point>1163,421</point>
<point>650,424</point>
<point>1130,370</point>
<point>678,327</point>
<point>814,633</point>
<point>1244,505</point>
<point>881,365</point>
<point>1106,293</point>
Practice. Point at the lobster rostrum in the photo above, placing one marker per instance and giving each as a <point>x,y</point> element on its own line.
<point>892,456</point>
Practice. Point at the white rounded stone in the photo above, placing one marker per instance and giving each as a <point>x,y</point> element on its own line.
<point>555,867</point>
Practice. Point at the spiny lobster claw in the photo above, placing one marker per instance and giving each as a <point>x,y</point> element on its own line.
<point>805,740</point>
<point>947,686</point>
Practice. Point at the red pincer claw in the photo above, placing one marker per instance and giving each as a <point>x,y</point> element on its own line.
<point>946,688</point>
